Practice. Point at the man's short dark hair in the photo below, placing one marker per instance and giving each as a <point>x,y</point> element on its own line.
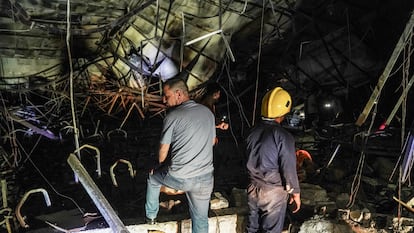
<point>177,84</point>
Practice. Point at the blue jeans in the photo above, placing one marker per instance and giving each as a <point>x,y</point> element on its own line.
<point>197,189</point>
<point>267,208</point>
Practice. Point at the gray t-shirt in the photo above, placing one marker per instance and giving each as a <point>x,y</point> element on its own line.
<point>189,129</point>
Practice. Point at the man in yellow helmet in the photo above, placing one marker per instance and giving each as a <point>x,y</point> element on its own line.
<point>272,166</point>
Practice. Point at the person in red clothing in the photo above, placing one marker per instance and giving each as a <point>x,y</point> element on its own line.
<point>271,166</point>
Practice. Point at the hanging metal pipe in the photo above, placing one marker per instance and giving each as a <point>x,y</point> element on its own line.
<point>98,198</point>
<point>203,37</point>
<point>130,169</point>
<point>226,43</point>
<point>24,198</point>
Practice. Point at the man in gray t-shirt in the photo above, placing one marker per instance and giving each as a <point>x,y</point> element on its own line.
<point>188,136</point>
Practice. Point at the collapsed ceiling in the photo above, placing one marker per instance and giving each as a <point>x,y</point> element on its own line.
<point>124,49</point>
<point>63,60</point>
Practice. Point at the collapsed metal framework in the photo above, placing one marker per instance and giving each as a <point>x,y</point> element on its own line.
<point>124,80</point>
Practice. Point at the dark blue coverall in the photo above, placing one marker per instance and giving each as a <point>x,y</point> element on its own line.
<point>272,167</point>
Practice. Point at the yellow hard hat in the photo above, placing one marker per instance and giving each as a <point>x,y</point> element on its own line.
<point>276,103</point>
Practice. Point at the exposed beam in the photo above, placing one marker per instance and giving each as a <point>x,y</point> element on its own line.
<point>97,196</point>
<point>398,104</point>
<point>407,34</point>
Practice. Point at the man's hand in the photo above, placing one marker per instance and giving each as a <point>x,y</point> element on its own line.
<point>295,198</point>
<point>223,126</point>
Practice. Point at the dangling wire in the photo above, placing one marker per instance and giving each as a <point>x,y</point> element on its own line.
<point>404,85</point>
<point>44,177</point>
<point>399,209</point>
<point>258,64</point>
<point>231,93</point>
<point>357,178</point>
<point>72,103</point>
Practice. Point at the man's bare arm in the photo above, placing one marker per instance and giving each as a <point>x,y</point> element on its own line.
<point>163,152</point>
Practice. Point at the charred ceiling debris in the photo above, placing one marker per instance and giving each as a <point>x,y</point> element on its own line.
<point>84,77</point>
